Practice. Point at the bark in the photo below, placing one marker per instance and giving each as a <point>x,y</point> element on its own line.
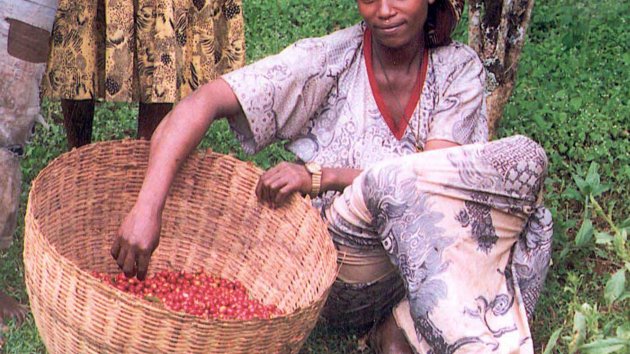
<point>496,31</point>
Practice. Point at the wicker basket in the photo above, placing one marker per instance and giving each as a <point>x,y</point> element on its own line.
<point>212,219</point>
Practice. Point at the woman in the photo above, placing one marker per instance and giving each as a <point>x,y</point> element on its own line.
<point>391,86</point>
<point>154,52</point>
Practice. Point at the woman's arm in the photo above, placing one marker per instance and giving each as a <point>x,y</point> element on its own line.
<point>176,136</point>
<point>338,179</point>
<point>276,184</point>
<point>280,181</point>
<point>179,134</point>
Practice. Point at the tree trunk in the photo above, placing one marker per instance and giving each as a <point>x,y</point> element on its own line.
<point>496,31</point>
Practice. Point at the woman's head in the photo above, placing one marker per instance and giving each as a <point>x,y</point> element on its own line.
<point>395,23</point>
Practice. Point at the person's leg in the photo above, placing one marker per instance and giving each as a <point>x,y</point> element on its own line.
<point>77,120</point>
<point>149,117</point>
<point>388,338</point>
<point>368,285</point>
<point>451,230</point>
<point>359,306</point>
<point>24,31</point>
<point>366,309</point>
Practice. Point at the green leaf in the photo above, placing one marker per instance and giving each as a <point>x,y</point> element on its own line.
<point>603,238</point>
<point>619,243</point>
<point>592,177</point>
<point>576,103</point>
<point>615,286</point>
<point>598,189</point>
<point>572,193</point>
<point>540,121</point>
<point>579,331</point>
<point>585,234</point>
<point>605,346</point>
<point>582,185</point>
<point>551,343</point>
<point>565,251</point>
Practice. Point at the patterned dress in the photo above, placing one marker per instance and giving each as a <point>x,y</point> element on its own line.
<point>469,238</point>
<point>405,234</point>
<point>151,51</point>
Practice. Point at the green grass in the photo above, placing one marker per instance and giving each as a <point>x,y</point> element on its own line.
<point>572,96</point>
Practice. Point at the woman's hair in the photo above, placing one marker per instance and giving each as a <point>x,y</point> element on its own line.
<point>441,21</point>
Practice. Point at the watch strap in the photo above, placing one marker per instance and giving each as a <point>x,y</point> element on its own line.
<point>316,183</point>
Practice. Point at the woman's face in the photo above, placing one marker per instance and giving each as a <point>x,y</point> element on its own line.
<point>395,23</point>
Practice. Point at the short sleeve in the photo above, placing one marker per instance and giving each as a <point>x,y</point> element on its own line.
<point>280,93</point>
<point>460,115</point>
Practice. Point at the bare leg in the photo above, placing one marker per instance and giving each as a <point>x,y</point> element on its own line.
<point>11,309</point>
<point>77,119</point>
<point>149,117</point>
<point>389,339</point>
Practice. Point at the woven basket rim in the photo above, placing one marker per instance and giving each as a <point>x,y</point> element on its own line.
<point>131,300</point>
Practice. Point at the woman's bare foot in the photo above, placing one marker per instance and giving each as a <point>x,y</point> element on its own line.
<point>9,308</point>
<point>389,339</point>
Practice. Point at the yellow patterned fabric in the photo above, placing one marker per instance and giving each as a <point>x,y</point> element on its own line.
<point>152,51</point>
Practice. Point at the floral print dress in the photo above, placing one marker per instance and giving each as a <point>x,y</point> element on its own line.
<point>468,235</point>
<point>150,51</point>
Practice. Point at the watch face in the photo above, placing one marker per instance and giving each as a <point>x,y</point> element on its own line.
<point>313,167</point>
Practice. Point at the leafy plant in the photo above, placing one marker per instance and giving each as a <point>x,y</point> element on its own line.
<point>588,335</point>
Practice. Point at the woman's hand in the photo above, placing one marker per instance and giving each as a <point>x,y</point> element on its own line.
<point>138,237</point>
<point>175,138</point>
<point>276,184</point>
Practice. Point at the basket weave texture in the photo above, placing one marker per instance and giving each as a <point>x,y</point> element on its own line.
<point>212,219</point>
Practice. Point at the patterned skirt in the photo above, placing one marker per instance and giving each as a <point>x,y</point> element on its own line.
<point>151,51</point>
<point>468,239</point>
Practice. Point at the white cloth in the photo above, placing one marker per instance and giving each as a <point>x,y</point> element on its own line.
<point>468,234</point>
<point>316,93</point>
<point>39,13</point>
<point>19,87</point>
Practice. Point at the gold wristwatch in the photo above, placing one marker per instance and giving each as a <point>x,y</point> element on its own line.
<point>316,177</point>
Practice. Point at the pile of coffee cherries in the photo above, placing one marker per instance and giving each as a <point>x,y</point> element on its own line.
<point>197,294</point>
